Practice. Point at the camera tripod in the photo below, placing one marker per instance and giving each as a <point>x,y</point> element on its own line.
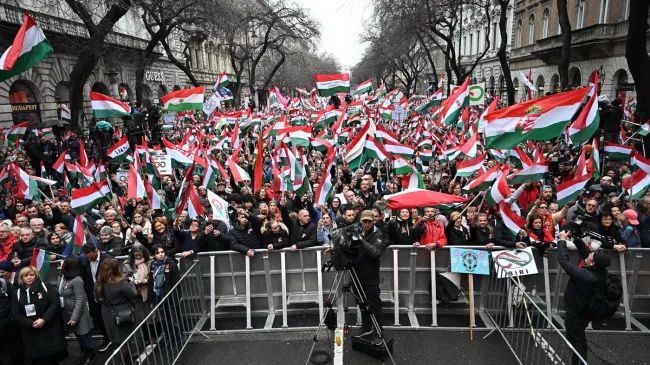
<point>337,290</point>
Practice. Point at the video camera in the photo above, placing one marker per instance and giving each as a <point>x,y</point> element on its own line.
<point>345,246</point>
<point>581,227</point>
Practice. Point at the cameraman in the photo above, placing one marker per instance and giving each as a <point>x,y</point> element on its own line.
<point>580,289</point>
<point>371,245</point>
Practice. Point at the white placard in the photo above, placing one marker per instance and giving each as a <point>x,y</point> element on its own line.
<point>520,262</point>
<point>122,176</point>
<point>163,163</point>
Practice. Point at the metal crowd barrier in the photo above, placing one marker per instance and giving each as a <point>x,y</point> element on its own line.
<point>529,333</point>
<point>162,335</point>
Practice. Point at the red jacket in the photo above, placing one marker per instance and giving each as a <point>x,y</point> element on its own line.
<point>431,231</point>
<point>7,246</point>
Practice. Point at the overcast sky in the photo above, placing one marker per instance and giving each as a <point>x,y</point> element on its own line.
<point>342,24</point>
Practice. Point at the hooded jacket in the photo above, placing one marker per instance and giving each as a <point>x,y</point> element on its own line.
<point>246,238</point>
<point>582,280</point>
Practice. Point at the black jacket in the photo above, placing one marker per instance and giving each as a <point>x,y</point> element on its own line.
<point>503,236</point>
<point>480,237</point>
<point>167,240</point>
<point>5,303</point>
<point>582,280</point>
<point>246,238</point>
<point>456,237</point>
<point>402,233</point>
<point>367,263</point>
<point>89,282</point>
<point>113,247</point>
<point>611,119</point>
<point>171,277</point>
<point>25,251</point>
<point>301,235</point>
<point>278,240</point>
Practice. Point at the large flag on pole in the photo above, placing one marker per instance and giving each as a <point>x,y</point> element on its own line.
<point>183,100</point>
<point>454,104</point>
<point>587,123</point>
<point>120,151</point>
<point>328,85</point>
<point>107,107</point>
<point>85,199</point>
<point>571,189</point>
<point>28,49</point>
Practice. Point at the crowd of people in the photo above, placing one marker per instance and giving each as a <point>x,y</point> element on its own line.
<point>94,289</point>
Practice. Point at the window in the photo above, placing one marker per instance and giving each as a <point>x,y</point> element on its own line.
<point>531,29</point>
<point>545,18</point>
<point>604,10</point>
<point>518,33</point>
<point>464,45</point>
<point>471,44</point>
<point>494,35</point>
<point>580,14</point>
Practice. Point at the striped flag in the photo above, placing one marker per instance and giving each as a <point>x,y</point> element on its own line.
<point>238,173</point>
<point>16,132</point>
<point>78,235</point>
<point>644,130</point>
<point>120,150</point>
<point>59,163</point>
<point>41,261</point>
<point>325,188</point>
<point>155,202</point>
<point>328,85</point>
<point>363,88</point>
<point>571,189</point>
<point>532,173</point>
<point>136,187</point>
<point>500,190</point>
<point>194,207</point>
<point>455,103</point>
<point>484,180</point>
<point>184,100</point>
<point>106,107</point>
<point>587,123</point>
<point>28,49</point>
<point>637,184</point>
<point>469,167</point>
<point>65,113</point>
<point>401,166</point>
<point>512,220</point>
<point>85,199</point>
<point>618,151</point>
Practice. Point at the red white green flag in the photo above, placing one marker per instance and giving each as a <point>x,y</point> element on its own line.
<point>532,173</point>
<point>469,167</point>
<point>85,199</point>
<point>28,49</point>
<point>184,100</point>
<point>120,151</point>
<point>238,173</point>
<point>363,88</point>
<point>499,190</point>
<point>17,132</point>
<point>325,188</point>
<point>644,130</point>
<point>538,119</point>
<point>329,85</point>
<point>78,234</point>
<point>107,107</point>
<point>41,261</point>
<point>512,220</point>
<point>455,104</point>
<point>571,189</point>
<point>136,187</point>
<point>194,207</point>
<point>617,151</point>
<point>637,184</point>
<point>484,180</point>
<point>587,123</point>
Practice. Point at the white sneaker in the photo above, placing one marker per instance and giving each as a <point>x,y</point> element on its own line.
<point>105,347</point>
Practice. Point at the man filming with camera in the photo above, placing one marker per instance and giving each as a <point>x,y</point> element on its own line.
<point>367,240</point>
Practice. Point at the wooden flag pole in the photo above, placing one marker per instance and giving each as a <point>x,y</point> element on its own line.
<point>471,313</point>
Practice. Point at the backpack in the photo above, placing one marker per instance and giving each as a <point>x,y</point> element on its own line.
<point>605,299</point>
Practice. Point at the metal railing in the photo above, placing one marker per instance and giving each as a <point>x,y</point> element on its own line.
<point>531,335</point>
<point>163,334</point>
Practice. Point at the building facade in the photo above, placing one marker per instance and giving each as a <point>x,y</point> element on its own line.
<point>38,94</point>
<point>599,30</point>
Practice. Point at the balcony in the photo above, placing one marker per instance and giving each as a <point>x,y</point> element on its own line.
<point>596,41</point>
<point>67,27</point>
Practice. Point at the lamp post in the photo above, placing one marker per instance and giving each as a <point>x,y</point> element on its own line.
<point>601,76</point>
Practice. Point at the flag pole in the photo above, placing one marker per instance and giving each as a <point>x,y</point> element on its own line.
<point>42,193</point>
<point>472,201</point>
<point>471,314</point>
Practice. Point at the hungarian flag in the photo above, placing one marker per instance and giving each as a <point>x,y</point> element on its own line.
<point>194,207</point>
<point>183,100</point>
<point>83,158</point>
<point>639,162</point>
<point>434,100</point>
<point>41,261</point>
<point>107,107</point>
<point>325,188</point>
<point>571,189</point>
<point>120,151</point>
<point>28,49</point>
<point>455,104</point>
<point>27,187</point>
<point>67,185</point>
<point>538,120</point>
<point>78,235</point>
<point>179,159</point>
<point>512,220</point>
<point>65,113</point>
<point>484,180</point>
<point>499,190</point>
<point>617,151</point>
<point>587,123</point>
<point>469,167</point>
<point>490,109</point>
<point>595,158</point>
<point>259,171</point>
<point>532,173</point>
<point>299,136</point>
<point>136,187</point>
<point>644,130</point>
<point>363,88</point>
<point>4,176</point>
<point>414,181</point>
<point>17,132</point>
<point>637,184</point>
<point>419,198</point>
<point>401,166</point>
<point>329,85</point>
<point>85,199</point>
<point>238,173</point>
<point>155,202</point>
<point>222,81</point>
<point>321,145</point>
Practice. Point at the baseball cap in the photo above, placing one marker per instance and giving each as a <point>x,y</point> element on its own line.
<point>444,174</point>
<point>632,216</point>
<point>367,215</point>
<point>602,259</point>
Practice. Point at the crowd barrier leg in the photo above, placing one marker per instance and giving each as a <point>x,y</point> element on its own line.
<point>434,300</point>
<point>249,324</point>
<point>626,298</point>
<point>471,300</point>
<point>269,291</point>
<point>213,296</point>
<point>556,298</point>
<point>283,263</point>
<point>547,290</point>
<point>319,277</point>
<point>396,285</point>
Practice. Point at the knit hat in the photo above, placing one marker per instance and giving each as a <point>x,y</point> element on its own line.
<point>587,148</point>
<point>6,265</point>
<point>602,259</point>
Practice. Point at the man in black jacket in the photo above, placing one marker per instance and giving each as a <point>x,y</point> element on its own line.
<point>10,343</point>
<point>371,245</point>
<point>24,248</point>
<point>245,235</point>
<point>92,260</point>
<point>579,290</point>
<point>302,233</point>
<point>611,121</point>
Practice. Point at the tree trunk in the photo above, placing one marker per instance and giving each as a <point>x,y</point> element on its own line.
<point>269,78</point>
<point>505,67</point>
<point>80,73</point>
<point>145,59</point>
<point>565,57</point>
<point>637,57</point>
<point>178,63</point>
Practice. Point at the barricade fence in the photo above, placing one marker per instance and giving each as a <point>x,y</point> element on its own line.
<point>284,290</point>
<point>161,336</point>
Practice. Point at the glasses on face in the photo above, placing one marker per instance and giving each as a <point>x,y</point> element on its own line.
<point>591,205</point>
<point>543,207</point>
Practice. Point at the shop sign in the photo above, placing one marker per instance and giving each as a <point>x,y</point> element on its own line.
<point>625,87</point>
<point>59,105</point>
<point>154,76</point>
<point>24,107</point>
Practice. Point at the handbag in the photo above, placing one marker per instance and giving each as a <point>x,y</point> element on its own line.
<point>123,317</point>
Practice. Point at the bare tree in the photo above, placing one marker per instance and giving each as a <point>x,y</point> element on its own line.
<point>503,57</point>
<point>636,53</point>
<point>298,70</point>
<point>565,56</point>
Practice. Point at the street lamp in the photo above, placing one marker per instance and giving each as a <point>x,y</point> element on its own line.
<point>601,76</point>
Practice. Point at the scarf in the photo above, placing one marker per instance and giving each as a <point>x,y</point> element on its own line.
<point>158,270</point>
<point>141,273</point>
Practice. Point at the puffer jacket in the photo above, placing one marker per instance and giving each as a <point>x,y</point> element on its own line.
<point>278,240</point>
<point>246,238</point>
<point>582,280</point>
<point>301,235</point>
<point>402,232</point>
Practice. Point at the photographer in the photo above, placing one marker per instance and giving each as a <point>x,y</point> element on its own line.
<point>580,289</point>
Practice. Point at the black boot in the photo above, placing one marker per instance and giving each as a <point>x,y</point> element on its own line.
<point>91,356</point>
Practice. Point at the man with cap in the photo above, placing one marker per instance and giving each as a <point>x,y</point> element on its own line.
<point>580,289</point>
<point>10,344</point>
<point>366,267</point>
<point>630,233</point>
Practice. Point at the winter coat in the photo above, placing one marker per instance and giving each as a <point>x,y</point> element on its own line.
<point>630,236</point>
<point>323,234</point>
<point>278,240</point>
<point>167,240</point>
<point>456,237</point>
<point>48,341</point>
<point>581,282</point>
<point>402,233</point>
<point>5,303</point>
<point>171,277</point>
<point>301,235</point>
<point>431,231</point>
<point>480,236</point>
<point>611,119</point>
<point>246,238</point>
<point>113,247</point>
<point>503,236</point>
<point>7,247</point>
<point>24,251</point>
<point>368,254</point>
<point>75,305</point>
<point>117,297</point>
